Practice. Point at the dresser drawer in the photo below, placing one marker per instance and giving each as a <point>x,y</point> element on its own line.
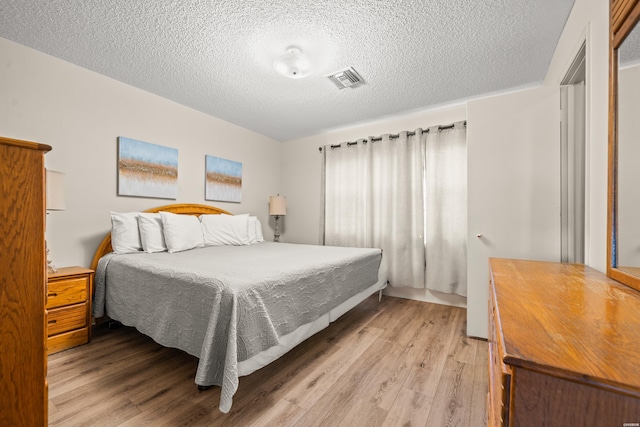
<point>67,291</point>
<point>499,388</point>
<point>67,318</point>
<point>499,373</point>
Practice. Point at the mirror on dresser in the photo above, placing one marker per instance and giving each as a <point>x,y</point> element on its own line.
<point>624,144</point>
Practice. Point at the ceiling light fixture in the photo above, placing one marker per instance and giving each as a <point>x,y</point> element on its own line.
<point>292,64</point>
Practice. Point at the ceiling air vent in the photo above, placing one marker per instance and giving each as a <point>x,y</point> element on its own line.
<point>346,78</point>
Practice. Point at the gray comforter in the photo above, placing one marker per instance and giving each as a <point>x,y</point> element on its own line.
<point>225,304</point>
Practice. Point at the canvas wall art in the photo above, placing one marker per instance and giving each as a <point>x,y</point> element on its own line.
<point>147,170</point>
<point>223,180</point>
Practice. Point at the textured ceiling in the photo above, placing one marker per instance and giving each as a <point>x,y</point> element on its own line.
<point>217,56</point>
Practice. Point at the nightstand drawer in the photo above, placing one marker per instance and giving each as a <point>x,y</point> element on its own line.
<point>67,291</point>
<point>67,318</point>
<point>67,340</point>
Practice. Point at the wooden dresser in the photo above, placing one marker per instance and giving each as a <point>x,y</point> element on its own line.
<point>564,346</point>
<point>23,277</point>
<point>69,308</point>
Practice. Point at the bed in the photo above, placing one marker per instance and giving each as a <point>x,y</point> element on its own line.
<point>234,307</point>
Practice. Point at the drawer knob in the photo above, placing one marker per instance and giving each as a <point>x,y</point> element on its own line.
<point>52,321</point>
<point>52,294</point>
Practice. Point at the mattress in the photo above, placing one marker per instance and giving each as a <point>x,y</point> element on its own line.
<point>236,308</point>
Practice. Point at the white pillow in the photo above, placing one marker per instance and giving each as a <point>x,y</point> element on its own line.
<point>151,232</point>
<point>255,230</point>
<point>225,229</point>
<point>181,232</point>
<point>125,237</point>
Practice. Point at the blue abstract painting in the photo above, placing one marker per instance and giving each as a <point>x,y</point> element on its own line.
<point>223,180</point>
<point>147,170</point>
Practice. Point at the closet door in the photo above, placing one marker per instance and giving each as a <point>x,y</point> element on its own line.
<point>513,162</point>
<point>23,362</point>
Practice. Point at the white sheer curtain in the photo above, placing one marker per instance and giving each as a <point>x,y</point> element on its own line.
<point>406,195</point>
<point>374,198</point>
<point>446,209</point>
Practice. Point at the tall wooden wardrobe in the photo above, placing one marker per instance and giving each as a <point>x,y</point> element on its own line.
<point>23,281</point>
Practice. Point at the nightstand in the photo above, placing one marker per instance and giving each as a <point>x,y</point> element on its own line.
<point>69,308</point>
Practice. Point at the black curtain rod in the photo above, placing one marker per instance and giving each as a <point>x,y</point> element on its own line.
<point>394,136</point>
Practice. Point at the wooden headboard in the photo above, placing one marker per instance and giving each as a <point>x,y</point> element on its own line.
<point>182,208</point>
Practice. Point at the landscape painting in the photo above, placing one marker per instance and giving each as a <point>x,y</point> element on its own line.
<point>223,180</point>
<point>147,170</point>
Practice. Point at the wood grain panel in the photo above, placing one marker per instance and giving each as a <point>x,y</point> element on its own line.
<point>67,340</point>
<point>454,391</point>
<point>623,16</point>
<point>546,400</point>
<point>65,292</point>
<point>569,320</point>
<point>568,335</point>
<point>620,10</point>
<point>69,304</point>
<point>478,416</point>
<point>124,378</point>
<point>22,284</point>
<point>67,318</point>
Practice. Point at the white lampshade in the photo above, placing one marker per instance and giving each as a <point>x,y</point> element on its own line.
<point>55,191</point>
<point>277,205</point>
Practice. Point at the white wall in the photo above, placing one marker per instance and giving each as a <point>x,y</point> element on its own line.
<point>301,173</point>
<point>514,187</point>
<point>81,113</point>
<point>589,20</point>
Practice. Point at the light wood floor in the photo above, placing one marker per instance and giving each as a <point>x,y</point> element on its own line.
<point>394,363</point>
